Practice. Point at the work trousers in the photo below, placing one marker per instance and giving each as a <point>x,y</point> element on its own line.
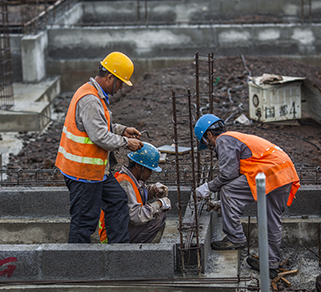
<point>235,196</point>
<point>86,201</point>
<point>145,233</point>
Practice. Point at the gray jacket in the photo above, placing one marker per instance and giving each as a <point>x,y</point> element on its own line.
<point>90,118</point>
<point>138,214</point>
<point>229,151</point>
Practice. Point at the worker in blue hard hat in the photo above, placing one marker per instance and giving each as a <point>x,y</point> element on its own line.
<point>241,157</point>
<point>146,203</point>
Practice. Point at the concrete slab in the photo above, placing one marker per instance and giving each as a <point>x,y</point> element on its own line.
<point>88,261</point>
<point>9,144</point>
<point>35,231</point>
<point>295,231</point>
<point>31,109</point>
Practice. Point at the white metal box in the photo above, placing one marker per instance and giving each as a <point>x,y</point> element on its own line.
<point>275,102</point>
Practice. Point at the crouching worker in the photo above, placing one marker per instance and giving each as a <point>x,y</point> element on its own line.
<point>241,157</point>
<point>146,217</point>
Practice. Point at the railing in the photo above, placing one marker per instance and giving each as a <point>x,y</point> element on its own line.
<point>6,76</point>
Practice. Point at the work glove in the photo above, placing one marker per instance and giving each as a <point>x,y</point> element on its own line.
<point>159,190</point>
<point>166,203</point>
<point>214,205</point>
<point>203,192</point>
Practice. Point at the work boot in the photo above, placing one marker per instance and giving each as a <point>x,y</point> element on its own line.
<point>254,263</point>
<point>274,273</point>
<point>225,244</point>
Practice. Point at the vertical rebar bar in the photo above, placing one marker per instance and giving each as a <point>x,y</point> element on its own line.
<point>146,13</point>
<point>194,182</point>
<point>210,99</point>
<point>262,228</point>
<point>178,181</point>
<point>248,234</point>
<point>138,12</point>
<point>197,87</point>
<point>319,248</point>
<point>310,10</point>
<point>6,75</point>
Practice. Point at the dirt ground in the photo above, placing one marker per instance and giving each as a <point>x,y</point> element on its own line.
<point>148,106</point>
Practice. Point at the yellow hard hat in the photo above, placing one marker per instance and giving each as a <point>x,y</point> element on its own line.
<point>119,65</point>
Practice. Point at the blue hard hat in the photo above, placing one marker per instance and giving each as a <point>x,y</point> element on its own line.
<point>202,125</point>
<point>148,156</point>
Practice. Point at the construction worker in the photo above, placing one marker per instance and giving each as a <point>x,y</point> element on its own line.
<point>241,157</point>
<point>85,154</point>
<point>146,219</point>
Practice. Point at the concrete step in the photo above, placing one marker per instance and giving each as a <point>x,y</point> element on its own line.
<point>31,109</point>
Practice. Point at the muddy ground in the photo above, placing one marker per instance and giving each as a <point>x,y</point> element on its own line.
<point>148,106</point>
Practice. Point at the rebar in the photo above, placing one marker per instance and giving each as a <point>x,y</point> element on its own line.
<point>196,218</point>
<point>6,74</point>
<point>178,180</point>
<point>175,283</point>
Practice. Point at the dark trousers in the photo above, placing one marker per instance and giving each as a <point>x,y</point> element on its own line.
<point>86,201</point>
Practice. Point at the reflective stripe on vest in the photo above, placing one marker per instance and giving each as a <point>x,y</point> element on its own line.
<point>80,159</point>
<point>77,139</point>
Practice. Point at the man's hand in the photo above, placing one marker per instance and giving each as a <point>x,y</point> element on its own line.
<point>214,205</point>
<point>166,203</point>
<point>158,190</point>
<point>131,132</point>
<point>134,144</point>
<point>203,192</point>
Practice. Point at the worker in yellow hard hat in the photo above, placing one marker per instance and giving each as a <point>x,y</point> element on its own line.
<point>85,156</point>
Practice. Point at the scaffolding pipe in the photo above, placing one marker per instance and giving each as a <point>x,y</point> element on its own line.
<point>262,227</point>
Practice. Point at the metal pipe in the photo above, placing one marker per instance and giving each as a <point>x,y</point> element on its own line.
<point>262,227</point>
<point>248,234</point>
<point>178,181</point>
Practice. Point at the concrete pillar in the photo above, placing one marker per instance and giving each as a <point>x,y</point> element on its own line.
<point>33,51</point>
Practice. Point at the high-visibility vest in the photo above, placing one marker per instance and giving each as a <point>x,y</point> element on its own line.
<point>269,159</point>
<point>77,155</point>
<point>102,228</point>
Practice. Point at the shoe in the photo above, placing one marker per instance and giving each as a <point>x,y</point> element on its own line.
<point>225,244</point>
<point>254,263</point>
<point>274,273</point>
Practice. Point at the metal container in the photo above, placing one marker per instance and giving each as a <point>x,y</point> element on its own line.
<point>275,102</point>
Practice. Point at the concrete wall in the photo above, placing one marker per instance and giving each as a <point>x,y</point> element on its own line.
<point>87,261</point>
<point>194,11</point>
<point>74,48</point>
<point>307,202</point>
<point>33,56</point>
<point>178,42</point>
<point>53,202</point>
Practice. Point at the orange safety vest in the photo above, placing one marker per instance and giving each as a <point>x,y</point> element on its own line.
<point>102,228</point>
<point>269,159</point>
<point>77,155</point>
